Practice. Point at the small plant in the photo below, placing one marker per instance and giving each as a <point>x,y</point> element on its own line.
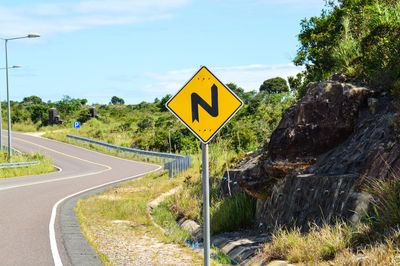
<point>221,257</point>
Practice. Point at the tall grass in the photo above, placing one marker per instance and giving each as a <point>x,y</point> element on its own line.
<point>45,165</point>
<point>386,200</point>
<point>232,212</point>
<point>347,50</point>
<point>27,126</point>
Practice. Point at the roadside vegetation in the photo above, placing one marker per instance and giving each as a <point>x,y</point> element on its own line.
<point>45,165</point>
<point>359,38</point>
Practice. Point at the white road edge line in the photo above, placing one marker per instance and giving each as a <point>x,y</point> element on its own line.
<point>52,234</point>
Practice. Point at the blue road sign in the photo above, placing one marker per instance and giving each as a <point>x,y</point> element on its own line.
<point>77,124</point>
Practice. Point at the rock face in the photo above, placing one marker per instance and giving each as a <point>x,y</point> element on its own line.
<point>318,198</point>
<point>323,119</point>
<point>319,154</point>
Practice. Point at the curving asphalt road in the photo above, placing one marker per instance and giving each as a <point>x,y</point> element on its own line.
<point>26,203</point>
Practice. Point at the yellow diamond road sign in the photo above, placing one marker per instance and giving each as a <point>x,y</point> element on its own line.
<point>204,104</point>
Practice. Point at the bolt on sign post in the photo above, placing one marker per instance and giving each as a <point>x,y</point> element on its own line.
<point>204,105</point>
<point>77,125</point>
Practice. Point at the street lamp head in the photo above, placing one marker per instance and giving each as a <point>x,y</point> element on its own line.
<point>16,67</point>
<point>33,35</point>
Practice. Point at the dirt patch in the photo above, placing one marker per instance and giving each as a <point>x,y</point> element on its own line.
<point>154,203</point>
<point>124,246</point>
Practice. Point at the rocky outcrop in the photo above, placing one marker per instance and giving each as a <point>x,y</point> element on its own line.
<point>318,156</point>
<point>320,121</point>
<point>245,172</point>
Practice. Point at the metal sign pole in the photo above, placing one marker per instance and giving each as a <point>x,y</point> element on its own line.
<point>206,207</point>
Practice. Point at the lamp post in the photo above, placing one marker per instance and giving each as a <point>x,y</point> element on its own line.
<point>8,90</point>
<point>1,140</point>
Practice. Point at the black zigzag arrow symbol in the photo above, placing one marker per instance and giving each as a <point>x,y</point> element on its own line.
<point>197,100</point>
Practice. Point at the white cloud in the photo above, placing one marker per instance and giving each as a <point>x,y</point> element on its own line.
<point>248,77</point>
<point>48,18</point>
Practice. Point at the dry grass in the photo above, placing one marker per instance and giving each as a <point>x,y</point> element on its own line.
<point>320,243</point>
<point>338,244</point>
<point>380,254</point>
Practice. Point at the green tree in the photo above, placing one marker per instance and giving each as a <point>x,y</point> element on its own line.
<point>274,85</point>
<point>68,105</point>
<point>39,113</point>
<point>355,37</point>
<point>32,99</point>
<point>83,101</point>
<point>164,100</point>
<point>244,96</point>
<point>296,85</point>
<point>116,100</point>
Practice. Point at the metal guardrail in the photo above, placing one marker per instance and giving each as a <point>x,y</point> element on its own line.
<point>17,164</point>
<point>175,163</point>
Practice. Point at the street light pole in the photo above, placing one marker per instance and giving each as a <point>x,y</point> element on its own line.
<point>1,140</point>
<point>8,106</point>
<point>8,90</point>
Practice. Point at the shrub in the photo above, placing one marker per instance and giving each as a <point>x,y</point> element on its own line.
<point>84,116</point>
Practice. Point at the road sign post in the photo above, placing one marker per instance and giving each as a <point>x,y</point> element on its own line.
<point>206,206</point>
<point>211,105</point>
<point>77,125</point>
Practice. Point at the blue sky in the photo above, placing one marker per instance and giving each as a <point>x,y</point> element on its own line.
<point>140,50</point>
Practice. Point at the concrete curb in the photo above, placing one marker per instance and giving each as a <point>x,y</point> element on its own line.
<point>76,247</point>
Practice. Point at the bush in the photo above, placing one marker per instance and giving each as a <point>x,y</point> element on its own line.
<point>39,113</point>
<point>84,116</point>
